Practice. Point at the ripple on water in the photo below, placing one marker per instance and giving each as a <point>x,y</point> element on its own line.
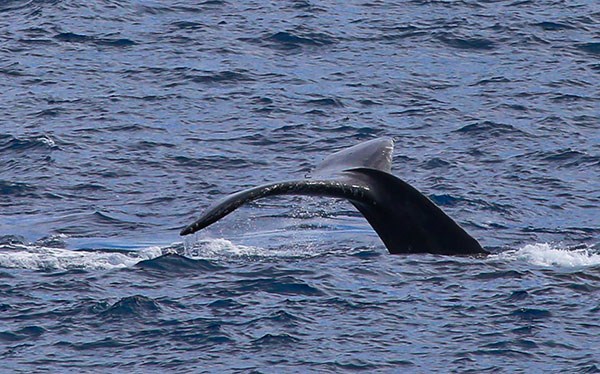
<point>592,48</point>
<point>99,344</point>
<point>18,189</point>
<point>23,334</point>
<point>294,39</point>
<point>466,43</point>
<point>70,37</point>
<point>286,285</point>
<point>268,341</point>
<point>531,314</point>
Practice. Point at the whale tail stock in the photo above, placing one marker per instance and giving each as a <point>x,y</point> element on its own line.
<point>405,220</point>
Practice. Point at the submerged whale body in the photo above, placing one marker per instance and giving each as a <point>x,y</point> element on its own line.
<point>405,220</point>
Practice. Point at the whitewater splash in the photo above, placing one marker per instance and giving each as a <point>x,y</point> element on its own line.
<point>211,249</point>
<point>39,257</point>
<point>538,254</point>
<point>48,258</point>
<point>544,254</point>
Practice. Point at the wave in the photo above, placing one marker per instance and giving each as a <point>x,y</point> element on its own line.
<point>466,43</point>
<point>71,37</point>
<point>136,305</point>
<point>10,143</point>
<point>592,48</point>
<point>548,255</point>
<point>17,189</point>
<point>46,258</point>
<point>292,40</point>
<point>172,263</point>
<point>491,129</point>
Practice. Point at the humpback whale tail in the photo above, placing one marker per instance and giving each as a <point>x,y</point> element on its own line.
<point>405,220</point>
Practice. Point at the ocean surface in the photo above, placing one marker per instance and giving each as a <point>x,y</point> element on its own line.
<point>121,121</point>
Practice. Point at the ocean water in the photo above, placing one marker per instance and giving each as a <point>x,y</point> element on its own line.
<point>121,121</point>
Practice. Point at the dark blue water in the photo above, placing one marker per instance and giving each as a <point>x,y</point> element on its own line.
<point>121,121</point>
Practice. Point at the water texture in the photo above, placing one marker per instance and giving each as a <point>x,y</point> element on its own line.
<point>121,121</point>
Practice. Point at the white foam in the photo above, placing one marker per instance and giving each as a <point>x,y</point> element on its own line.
<point>216,247</point>
<point>47,140</point>
<point>46,258</point>
<point>544,254</point>
<point>220,248</point>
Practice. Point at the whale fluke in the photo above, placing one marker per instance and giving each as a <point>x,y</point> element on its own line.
<point>405,220</point>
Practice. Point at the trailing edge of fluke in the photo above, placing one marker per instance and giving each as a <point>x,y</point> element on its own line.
<point>405,220</point>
